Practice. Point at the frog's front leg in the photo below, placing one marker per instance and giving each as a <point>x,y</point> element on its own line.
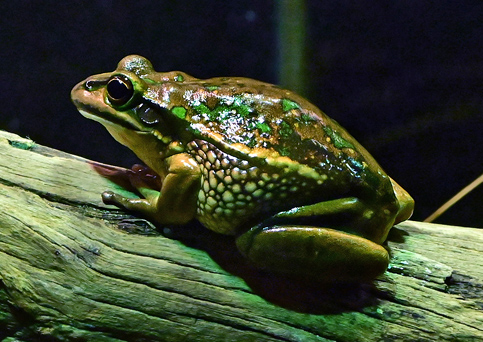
<point>175,203</point>
<point>317,252</point>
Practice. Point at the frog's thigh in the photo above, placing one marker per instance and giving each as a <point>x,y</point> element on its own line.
<point>322,253</point>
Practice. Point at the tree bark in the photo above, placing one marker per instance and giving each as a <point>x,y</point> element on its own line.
<point>75,269</point>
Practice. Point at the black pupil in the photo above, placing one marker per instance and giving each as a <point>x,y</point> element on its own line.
<point>119,89</point>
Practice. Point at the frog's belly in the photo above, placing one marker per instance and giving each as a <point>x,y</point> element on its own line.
<point>233,192</point>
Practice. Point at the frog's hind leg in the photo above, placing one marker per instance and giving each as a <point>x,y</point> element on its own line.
<point>321,253</point>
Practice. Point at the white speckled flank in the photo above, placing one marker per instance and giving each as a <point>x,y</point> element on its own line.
<point>233,190</point>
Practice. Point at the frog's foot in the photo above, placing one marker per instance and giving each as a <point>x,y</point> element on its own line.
<point>146,181</point>
<point>173,201</point>
<point>145,206</point>
<point>321,253</point>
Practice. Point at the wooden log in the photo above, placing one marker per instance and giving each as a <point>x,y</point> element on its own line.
<point>74,269</point>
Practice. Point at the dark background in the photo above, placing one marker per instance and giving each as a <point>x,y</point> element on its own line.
<point>404,77</point>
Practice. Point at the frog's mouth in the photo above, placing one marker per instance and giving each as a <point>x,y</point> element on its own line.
<point>112,120</point>
<point>124,131</point>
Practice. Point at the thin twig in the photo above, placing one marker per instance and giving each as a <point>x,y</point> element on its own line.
<point>467,189</point>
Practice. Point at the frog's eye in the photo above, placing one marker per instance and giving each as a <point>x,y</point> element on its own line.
<point>119,90</point>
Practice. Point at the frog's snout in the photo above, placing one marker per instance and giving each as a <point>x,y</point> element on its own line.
<point>405,202</point>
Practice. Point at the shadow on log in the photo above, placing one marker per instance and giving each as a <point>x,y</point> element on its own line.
<point>74,269</point>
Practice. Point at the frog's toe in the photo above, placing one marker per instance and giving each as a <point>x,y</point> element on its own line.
<point>133,204</point>
<point>109,197</point>
<point>321,253</point>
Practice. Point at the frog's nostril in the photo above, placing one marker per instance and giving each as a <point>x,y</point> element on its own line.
<point>90,84</point>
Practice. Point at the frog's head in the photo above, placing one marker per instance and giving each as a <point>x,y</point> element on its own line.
<point>122,101</point>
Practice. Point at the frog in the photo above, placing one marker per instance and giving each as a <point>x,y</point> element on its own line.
<point>300,196</point>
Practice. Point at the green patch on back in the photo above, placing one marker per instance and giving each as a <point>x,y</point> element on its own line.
<point>289,105</point>
<point>284,151</point>
<point>180,112</point>
<point>285,130</point>
<point>224,111</point>
<point>263,127</point>
<point>212,87</point>
<point>306,119</point>
<point>204,110</point>
<point>338,141</point>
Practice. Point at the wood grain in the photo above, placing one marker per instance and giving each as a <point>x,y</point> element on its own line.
<point>74,269</point>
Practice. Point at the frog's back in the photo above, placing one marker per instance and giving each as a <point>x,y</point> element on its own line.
<point>263,149</point>
<point>258,119</point>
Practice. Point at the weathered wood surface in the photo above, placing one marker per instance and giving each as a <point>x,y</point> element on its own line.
<point>72,270</point>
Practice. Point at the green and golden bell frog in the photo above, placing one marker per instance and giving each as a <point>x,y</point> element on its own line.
<point>252,160</point>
